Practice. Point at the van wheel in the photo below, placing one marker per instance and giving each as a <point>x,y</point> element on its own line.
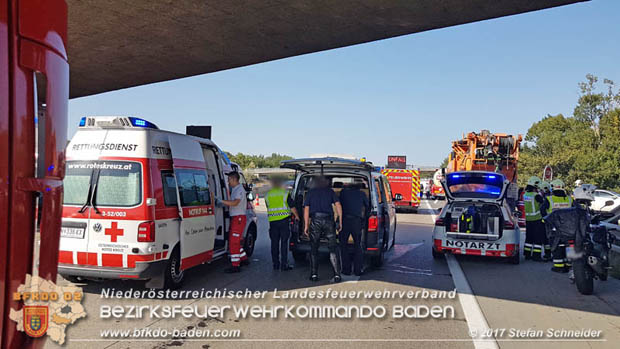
<point>378,261</point>
<point>393,239</point>
<point>299,257</point>
<point>436,255</point>
<point>250,241</point>
<point>173,275</point>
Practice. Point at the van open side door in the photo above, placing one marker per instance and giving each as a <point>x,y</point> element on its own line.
<point>196,207</point>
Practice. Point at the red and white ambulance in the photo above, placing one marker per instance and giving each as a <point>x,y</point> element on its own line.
<point>139,203</point>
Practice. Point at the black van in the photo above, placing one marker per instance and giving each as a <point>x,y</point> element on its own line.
<point>380,223</point>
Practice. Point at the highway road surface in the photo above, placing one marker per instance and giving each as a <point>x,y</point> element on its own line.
<point>511,302</point>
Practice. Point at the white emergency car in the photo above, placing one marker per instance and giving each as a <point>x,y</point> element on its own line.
<point>477,219</point>
<point>139,203</point>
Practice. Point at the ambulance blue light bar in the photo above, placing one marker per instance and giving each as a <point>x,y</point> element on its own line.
<point>137,122</point>
<point>115,122</point>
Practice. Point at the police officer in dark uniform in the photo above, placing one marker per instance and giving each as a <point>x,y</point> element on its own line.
<point>319,221</point>
<point>354,207</point>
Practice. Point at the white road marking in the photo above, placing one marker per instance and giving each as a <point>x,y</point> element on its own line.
<point>476,322</point>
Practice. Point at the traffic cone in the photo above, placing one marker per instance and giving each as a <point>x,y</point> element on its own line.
<point>257,200</point>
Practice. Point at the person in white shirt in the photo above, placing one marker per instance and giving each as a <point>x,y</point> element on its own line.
<point>238,206</point>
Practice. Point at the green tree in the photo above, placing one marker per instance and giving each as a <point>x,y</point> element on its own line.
<point>444,163</point>
<point>257,161</point>
<point>585,146</point>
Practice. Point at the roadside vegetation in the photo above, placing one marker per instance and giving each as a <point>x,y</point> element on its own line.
<point>583,146</point>
<point>257,161</point>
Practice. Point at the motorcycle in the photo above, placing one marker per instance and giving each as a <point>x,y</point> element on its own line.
<point>589,242</point>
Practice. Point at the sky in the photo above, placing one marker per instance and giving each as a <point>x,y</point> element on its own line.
<point>411,95</point>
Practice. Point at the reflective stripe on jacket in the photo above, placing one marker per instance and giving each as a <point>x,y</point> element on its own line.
<point>557,202</point>
<point>532,206</point>
<point>277,205</point>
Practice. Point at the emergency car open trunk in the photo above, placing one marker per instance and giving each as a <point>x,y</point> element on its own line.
<point>474,220</point>
<point>476,205</point>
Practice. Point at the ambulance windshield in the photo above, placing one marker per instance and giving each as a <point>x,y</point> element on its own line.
<point>118,183</point>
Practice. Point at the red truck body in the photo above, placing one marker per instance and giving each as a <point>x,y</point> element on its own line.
<point>34,94</point>
<point>407,184</point>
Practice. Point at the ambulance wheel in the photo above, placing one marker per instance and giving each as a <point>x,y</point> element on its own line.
<point>250,241</point>
<point>584,277</point>
<point>436,255</point>
<point>173,275</point>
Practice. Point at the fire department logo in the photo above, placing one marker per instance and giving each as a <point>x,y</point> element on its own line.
<point>48,309</point>
<point>36,317</point>
<point>97,227</point>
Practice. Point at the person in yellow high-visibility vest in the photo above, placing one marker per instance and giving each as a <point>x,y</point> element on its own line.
<point>559,200</point>
<point>535,233</point>
<point>279,210</point>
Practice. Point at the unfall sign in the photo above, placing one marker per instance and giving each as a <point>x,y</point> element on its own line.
<point>397,161</point>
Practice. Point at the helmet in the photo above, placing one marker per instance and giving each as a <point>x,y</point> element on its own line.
<point>534,181</point>
<point>545,186</point>
<point>584,192</point>
<point>557,184</point>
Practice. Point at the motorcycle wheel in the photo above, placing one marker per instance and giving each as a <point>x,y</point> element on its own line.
<point>584,276</point>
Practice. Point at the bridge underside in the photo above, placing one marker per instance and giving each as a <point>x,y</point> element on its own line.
<point>115,44</point>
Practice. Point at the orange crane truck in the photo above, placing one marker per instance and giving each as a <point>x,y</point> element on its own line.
<point>486,151</point>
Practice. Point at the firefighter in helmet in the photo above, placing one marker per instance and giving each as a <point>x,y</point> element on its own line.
<point>535,234</point>
<point>559,199</point>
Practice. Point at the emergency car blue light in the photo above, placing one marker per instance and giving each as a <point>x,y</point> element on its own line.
<point>456,176</point>
<point>82,121</point>
<point>491,177</point>
<point>137,122</point>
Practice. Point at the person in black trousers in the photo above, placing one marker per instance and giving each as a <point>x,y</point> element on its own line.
<point>354,207</point>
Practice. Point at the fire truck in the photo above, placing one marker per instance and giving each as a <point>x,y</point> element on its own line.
<point>407,183</point>
<point>494,152</point>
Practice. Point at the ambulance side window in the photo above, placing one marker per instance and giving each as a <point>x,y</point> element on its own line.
<point>193,187</point>
<point>170,188</point>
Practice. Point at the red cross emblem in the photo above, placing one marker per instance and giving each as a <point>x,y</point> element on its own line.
<point>114,231</point>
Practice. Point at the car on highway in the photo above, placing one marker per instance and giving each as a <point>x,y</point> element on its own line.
<point>477,220</point>
<point>601,197</point>
<point>379,232</point>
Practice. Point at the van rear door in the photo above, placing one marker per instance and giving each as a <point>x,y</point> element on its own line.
<point>196,206</point>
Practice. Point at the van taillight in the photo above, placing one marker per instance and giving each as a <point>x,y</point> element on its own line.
<point>373,223</point>
<point>508,224</point>
<point>146,232</point>
<point>439,222</point>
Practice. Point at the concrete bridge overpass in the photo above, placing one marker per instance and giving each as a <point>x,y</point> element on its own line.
<point>115,44</point>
